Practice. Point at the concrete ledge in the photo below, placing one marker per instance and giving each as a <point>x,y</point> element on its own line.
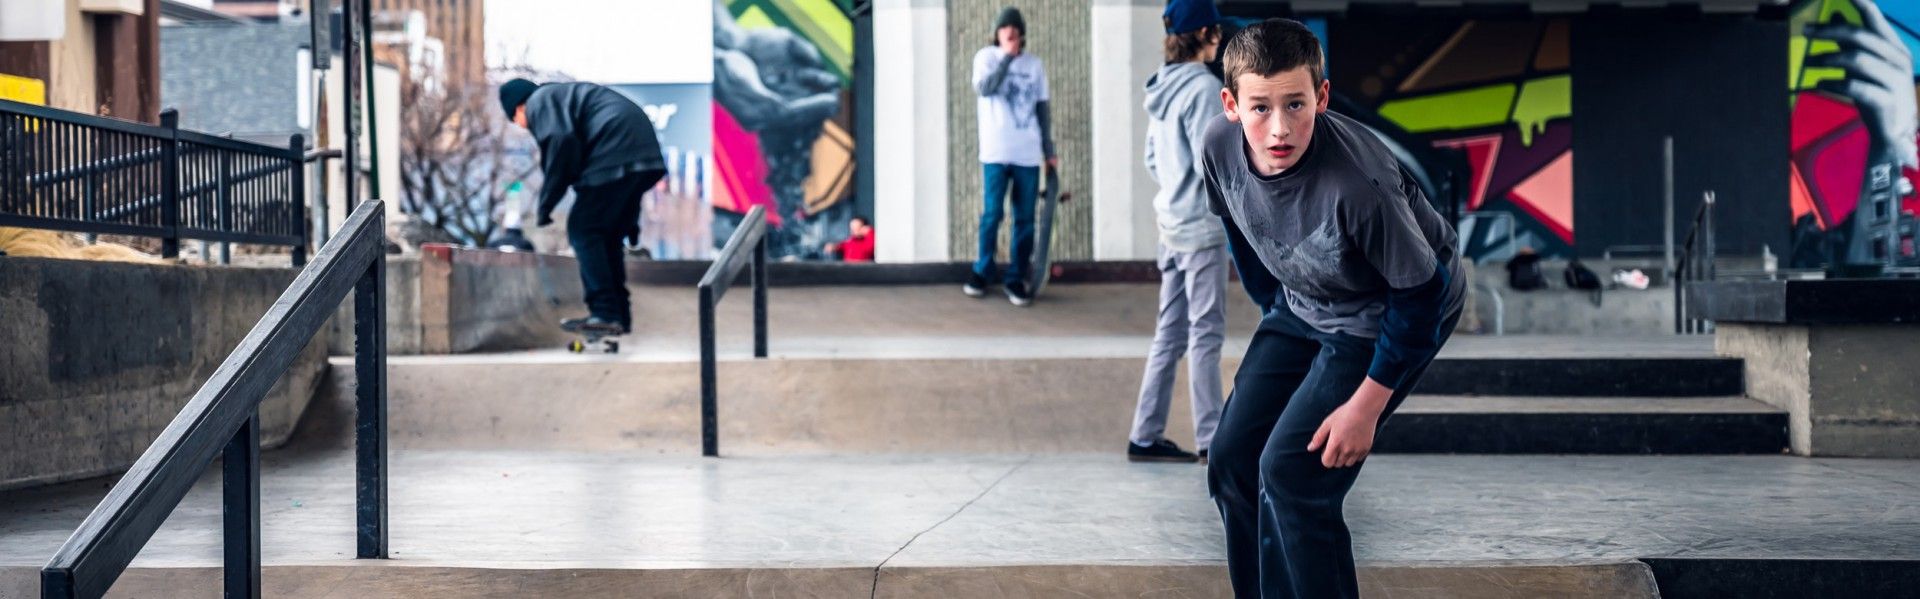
<point>1849,390</point>
<point>100,356</point>
<point>919,405</point>
<point>1628,580</point>
<point>1689,578</point>
<point>1829,301</point>
<point>454,300</point>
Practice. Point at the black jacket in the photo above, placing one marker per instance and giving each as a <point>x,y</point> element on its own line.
<point>589,135</point>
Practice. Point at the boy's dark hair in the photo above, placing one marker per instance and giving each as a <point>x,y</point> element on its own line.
<point>1184,47</point>
<point>1269,47</point>
<point>863,220</point>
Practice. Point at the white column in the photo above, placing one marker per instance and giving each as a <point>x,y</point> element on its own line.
<point>1126,46</point>
<point>910,130</point>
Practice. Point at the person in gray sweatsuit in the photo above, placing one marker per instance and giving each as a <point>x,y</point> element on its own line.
<point>1182,99</point>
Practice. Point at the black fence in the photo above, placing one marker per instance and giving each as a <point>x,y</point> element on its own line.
<point>223,420</point>
<point>67,171</point>
<point>748,244</point>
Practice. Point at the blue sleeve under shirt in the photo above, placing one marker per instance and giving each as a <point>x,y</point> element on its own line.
<point>1410,330</point>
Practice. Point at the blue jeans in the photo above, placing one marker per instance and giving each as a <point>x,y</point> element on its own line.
<point>1286,533</point>
<point>1026,182</point>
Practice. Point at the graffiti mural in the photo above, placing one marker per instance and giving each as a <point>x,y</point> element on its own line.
<point>782,120</point>
<point>1499,92</point>
<point>1852,89</point>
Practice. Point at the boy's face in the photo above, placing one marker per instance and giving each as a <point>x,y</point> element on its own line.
<point>1276,115</point>
<point>520,116</point>
<point>1009,37</point>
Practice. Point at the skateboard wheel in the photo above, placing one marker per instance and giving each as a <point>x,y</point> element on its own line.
<point>576,346</point>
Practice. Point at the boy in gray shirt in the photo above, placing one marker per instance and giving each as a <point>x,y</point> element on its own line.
<point>1360,286</point>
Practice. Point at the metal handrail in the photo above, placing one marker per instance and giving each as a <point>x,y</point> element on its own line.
<point>726,267</point>
<point>223,419</point>
<point>1695,263</point>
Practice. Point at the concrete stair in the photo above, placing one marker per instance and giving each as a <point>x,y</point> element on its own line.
<point>1047,394</point>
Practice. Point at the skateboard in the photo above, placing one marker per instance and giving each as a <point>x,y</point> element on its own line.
<point>1050,198</point>
<point>596,339</point>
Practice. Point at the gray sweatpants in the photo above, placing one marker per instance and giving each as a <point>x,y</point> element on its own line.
<point>1193,322</point>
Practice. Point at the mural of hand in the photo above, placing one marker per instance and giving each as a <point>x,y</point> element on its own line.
<point>1879,80</point>
<point>771,78</point>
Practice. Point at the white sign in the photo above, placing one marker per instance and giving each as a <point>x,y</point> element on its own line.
<point>604,41</point>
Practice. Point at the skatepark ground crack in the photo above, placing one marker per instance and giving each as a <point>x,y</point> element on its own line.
<point>963,507</point>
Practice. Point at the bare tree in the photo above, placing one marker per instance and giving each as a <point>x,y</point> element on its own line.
<point>458,154</point>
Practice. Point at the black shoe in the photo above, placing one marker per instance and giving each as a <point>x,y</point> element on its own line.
<point>593,324</point>
<point>1160,451</point>
<point>1203,456</point>
<point>1017,293</point>
<point>976,286</point>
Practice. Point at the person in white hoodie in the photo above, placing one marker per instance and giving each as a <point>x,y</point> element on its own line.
<point>1182,100</point>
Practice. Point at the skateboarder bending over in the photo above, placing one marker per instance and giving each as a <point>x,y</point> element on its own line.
<point>601,144</point>
<point>1015,135</point>
<point>1360,286</point>
<point>1182,100</point>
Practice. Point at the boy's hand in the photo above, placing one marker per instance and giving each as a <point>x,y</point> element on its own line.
<point>1347,433</point>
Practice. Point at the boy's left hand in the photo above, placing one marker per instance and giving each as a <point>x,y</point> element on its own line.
<point>1347,433</point>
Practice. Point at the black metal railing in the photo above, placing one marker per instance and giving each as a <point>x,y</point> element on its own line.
<point>751,236</point>
<point>68,171</point>
<point>1695,263</point>
<point>223,419</point>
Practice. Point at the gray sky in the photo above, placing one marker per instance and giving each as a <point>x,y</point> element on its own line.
<point>606,41</point>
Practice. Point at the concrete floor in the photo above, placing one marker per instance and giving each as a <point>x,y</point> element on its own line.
<point>629,510</point>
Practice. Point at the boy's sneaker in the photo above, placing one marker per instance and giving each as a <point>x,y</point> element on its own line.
<point>1017,293</point>
<point>976,286</point>
<point>593,323</point>
<point>1160,451</point>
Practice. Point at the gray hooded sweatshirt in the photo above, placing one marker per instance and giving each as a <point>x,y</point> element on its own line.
<point>1182,99</point>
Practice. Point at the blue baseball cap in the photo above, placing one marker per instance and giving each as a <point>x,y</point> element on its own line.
<point>1190,15</point>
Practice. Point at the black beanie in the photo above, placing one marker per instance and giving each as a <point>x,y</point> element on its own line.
<point>1010,16</point>
<point>514,93</point>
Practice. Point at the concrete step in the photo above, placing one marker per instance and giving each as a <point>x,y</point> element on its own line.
<point>1469,365</point>
<point>1586,425</point>
<point>920,405</point>
<point>1599,376</point>
<point>1617,580</point>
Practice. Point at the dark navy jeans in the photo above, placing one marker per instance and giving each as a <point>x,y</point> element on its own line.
<point>1025,181</point>
<point>1286,535</point>
<point>602,216</point>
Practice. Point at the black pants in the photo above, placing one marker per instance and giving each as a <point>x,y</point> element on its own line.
<point>1286,535</point>
<point>602,216</point>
